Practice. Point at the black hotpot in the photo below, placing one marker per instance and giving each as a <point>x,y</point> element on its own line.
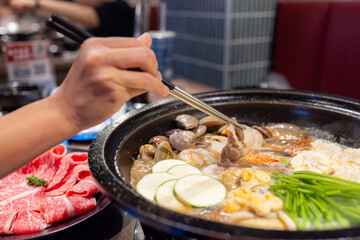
<point>112,151</point>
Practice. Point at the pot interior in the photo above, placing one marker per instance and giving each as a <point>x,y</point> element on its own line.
<point>114,149</point>
<point>321,121</point>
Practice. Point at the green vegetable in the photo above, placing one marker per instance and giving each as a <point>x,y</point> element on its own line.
<point>36,181</point>
<point>149,183</point>
<point>318,201</point>
<point>199,191</point>
<point>284,161</point>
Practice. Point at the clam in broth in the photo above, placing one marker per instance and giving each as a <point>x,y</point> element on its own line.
<point>243,162</point>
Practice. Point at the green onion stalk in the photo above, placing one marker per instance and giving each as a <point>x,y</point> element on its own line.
<point>318,201</point>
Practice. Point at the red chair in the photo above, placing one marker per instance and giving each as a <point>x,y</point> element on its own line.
<point>317,46</point>
<point>340,65</point>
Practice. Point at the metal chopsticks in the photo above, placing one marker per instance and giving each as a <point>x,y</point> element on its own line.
<point>198,104</point>
<point>79,35</point>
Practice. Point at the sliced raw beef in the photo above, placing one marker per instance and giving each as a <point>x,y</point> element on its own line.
<point>43,167</point>
<point>6,221</point>
<point>85,187</point>
<point>26,209</point>
<point>65,165</point>
<point>47,164</point>
<point>28,221</point>
<point>12,190</point>
<point>15,178</point>
<point>28,198</point>
<point>11,179</point>
<point>59,208</point>
<point>77,173</point>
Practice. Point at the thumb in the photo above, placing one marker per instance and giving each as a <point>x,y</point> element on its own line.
<point>145,38</point>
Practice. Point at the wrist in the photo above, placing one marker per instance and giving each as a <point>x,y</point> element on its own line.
<point>64,115</point>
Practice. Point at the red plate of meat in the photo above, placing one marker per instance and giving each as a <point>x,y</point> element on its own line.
<point>52,192</point>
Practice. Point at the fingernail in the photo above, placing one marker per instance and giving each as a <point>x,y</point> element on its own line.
<point>143,34</point>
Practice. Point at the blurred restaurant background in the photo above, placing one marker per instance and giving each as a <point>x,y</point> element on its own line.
<point>213,44</point>
<point>201,46</point>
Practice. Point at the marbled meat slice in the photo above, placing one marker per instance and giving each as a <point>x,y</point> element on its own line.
<point>23,208</point>
<point>6,221</point>
<point>85,187</point>
<point>59,208</point>
<point>28,221</point>
<point>65,165</point>
<point>45,166</point>
<point>23,197</point>
<point>12,190</point>
<point>12,179</point>
<point>76,174</point>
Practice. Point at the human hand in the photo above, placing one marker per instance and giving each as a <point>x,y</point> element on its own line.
<point>21,6</point>
<point>99,81</point>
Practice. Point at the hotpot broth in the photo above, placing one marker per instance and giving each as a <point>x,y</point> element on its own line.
<point>318,123</point>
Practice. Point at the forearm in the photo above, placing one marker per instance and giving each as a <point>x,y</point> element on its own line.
<point>29,131</point>
<point>81,14</point>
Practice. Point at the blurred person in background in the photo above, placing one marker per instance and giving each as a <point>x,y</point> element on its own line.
<point>102,18</point>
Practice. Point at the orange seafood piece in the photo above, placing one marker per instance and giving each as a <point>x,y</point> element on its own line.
<point>259,157</point>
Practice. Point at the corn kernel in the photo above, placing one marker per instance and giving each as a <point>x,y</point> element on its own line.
<point>268,196</point>
<point>240,192</point>
<point>231,207</point>
<point>246,176</point>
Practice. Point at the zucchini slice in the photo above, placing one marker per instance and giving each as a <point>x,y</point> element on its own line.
<point>183,170</point>
<point>164,165</point>
<point>199,191</point>
<point>149,183</point>
<point>165,197</point>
